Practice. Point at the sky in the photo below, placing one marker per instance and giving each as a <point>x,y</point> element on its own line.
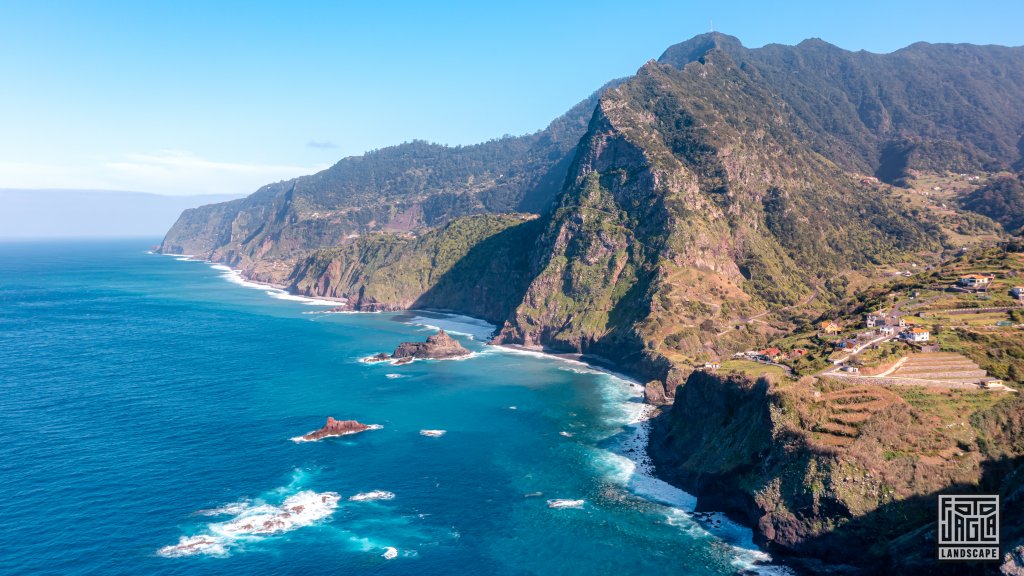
<point>193,97</point>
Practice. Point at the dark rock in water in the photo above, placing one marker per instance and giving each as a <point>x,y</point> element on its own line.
<point>401,361</point>
<point>377,358</point>
<point>438,346</point>
<point>337,428</point>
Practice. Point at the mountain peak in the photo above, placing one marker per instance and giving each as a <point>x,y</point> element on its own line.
<point>695,48</point>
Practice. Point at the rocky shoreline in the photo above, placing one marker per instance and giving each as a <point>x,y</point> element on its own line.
<point>658,396</point>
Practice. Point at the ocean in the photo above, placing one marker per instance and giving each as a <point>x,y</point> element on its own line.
<point>149,406</point>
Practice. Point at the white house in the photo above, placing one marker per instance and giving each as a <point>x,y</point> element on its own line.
<point>974,280</point>
<point>916,335</point>
<point>887,330</point>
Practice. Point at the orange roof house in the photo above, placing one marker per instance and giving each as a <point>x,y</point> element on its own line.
<point>829,327</point>
<point>974,280</point>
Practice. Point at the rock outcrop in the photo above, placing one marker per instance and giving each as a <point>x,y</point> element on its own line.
<point>337,428</point>
<point>654,393</point>
<point>859,497</point>
<point>437,347</point>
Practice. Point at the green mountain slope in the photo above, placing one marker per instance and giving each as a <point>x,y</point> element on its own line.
<point>693,203</point>
<point>473,264</point>
<point>927,106</point>
<point>408,187</point>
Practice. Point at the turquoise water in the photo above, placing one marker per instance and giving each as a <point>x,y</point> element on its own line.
<point>147,400</point>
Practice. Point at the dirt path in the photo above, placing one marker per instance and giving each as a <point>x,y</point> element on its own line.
<point>755,317</point>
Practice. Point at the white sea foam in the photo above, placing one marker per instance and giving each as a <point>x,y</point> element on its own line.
<point>457,324</point>
<point>390,553</point>
<point>192,545</point>
<point>566,434</point>
<point>433,433</point>
<point>410,360</point>
<point>283,295</point>
<point>393,376</point>
<point>629,465</point>
<point>564,503</point>
<point>579,370</point>
<point>373,495</point>
<point>226,510</point>
<point>235,277</point>
<point>255,521</point>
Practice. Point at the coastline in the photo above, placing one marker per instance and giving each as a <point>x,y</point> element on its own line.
<point>636,470</point>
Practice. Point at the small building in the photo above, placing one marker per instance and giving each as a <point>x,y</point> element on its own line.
<point>829,327</point>
<point>915,335</point>
<point>846,344</point>
<point>873,320</point>
<point>713,365</point>
<point>797,353</point>
<point>1017,292</point>
<point>887,330</point>
<point>974,280</point>
<point>771,354</point>
<point>851,369</point>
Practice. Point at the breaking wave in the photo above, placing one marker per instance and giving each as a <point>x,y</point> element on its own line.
<point>235,277</point>
<point>373,495</point>
<point>253,521</point>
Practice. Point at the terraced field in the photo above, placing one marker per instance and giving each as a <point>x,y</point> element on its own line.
<point>944,369</point>
<point>931,370</point>
<point>842,412</point>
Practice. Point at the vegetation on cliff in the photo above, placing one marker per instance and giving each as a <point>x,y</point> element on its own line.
<point>1001,200</point>
<point>473,264</point>
<point>755,449</point>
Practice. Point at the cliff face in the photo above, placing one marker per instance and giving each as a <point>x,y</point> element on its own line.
<point>754,449</point>
<point>475,265</point>
<point>692,205</point>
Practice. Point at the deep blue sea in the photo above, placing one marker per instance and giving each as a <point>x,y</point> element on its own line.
<point>147,407</point>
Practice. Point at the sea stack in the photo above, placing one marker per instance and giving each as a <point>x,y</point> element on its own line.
<point>438,346</point>
<point>336,428</point>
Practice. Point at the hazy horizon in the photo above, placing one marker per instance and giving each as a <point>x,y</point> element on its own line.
<point>41,214</point>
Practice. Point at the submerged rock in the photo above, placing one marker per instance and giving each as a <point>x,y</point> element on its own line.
<point>438,346</point>
<point>337,428</point>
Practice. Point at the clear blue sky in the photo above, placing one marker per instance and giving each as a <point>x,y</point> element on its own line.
<point>192,97</point>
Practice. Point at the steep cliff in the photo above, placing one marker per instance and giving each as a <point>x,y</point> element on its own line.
<point>691,205</point>
<point>752,448</point>
<point>475,265</point>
